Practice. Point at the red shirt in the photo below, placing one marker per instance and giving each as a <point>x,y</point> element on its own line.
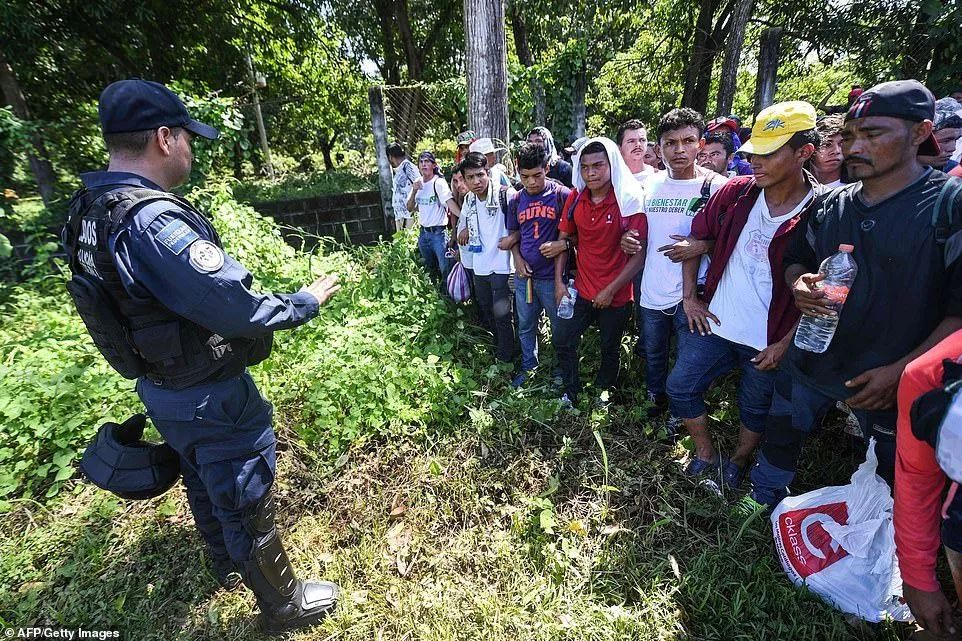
<point>722,219</point>
<point>956,171</point>
<point>919,481</point>
<point>599,227</point>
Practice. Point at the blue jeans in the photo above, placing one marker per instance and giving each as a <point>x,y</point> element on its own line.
<point>529,315</point>
<point>704,359</point>
<point>433,246</point>
<point>223,432</point>
<point>952,526</point>
<point>659,324</point>
<point>796,412</point>
<point>639,319</point>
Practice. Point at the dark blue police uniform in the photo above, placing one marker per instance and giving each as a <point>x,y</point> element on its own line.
<point>165,304</point>
<point>222,430</point>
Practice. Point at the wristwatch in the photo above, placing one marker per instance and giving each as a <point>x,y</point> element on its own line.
<point>567,243</point>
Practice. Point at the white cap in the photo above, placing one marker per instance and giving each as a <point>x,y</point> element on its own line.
<point>482,146</point>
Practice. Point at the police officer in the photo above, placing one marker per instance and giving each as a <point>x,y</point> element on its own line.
<point>176,311</point>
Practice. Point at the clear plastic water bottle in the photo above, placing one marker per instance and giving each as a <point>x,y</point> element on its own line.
<point>474,234</point>
<point>567,307</point>
<point>815,333</point>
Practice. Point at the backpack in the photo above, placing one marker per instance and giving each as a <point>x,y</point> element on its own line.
<point>705,195</point>
<point>942,211</point>
<point>935,419</point>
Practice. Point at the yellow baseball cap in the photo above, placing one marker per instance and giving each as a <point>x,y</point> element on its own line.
<point>776,124</point>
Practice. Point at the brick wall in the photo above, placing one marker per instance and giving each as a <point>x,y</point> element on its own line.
<point>359,213</point>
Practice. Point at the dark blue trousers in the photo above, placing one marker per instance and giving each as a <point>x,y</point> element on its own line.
<point>224,435</point>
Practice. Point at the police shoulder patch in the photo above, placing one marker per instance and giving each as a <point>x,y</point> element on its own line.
<point>205,256</point>
<point>176,236</point>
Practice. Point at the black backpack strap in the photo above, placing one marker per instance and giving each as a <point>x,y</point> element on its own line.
<point>704,196</point>
<point>559,203</point>
<point>570,213</point>
<point>844,193</point>
<point>503,199</point>
<point>943,211</point>
<point>741,192</point>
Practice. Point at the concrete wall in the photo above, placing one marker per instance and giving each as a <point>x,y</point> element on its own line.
<point>359,213</point>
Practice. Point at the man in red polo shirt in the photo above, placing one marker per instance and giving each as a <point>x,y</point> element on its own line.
<point>746,316</point>
<point>607,201</point>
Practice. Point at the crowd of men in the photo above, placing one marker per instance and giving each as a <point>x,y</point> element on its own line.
<point>714,234</point>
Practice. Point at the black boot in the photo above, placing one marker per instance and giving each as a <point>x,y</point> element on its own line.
<point>226,573</point>
<point>659,404</point>
<point>285,602</point>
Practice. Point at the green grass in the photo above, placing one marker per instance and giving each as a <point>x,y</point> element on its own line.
<point>489,539</point>
<point>446,505</point>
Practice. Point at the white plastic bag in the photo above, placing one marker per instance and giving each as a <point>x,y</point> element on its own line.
<point>839,541</point>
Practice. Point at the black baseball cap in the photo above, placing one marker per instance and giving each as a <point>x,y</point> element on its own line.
<point>136,105</point>
<point>905,99</point>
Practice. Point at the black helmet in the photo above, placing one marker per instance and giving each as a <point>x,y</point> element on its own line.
<point>119,461</point>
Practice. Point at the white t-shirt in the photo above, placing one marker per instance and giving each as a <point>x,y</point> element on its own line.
<point>467,257</point>
<point>645,174</point>
<point>490,260</point>
<point>404,177</point>
<point>744,293</point>
<point>668,207</point>
<point>431,199</point>
<point>834,184</point>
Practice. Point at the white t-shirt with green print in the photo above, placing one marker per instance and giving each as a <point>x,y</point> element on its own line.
<point>670,207</point>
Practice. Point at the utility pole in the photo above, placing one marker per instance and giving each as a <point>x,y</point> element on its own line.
<point>262,132</point>
<point>385,185</point>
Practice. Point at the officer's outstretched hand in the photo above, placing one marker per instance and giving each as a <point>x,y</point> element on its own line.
<point>323,288</point>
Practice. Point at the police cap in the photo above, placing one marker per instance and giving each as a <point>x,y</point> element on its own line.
<point>137,105</point>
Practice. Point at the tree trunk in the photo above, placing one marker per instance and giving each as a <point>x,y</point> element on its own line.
<point>520,30</point>
<point>698,56</point>
<point>238,160</point>
<point>733,52</point>
<point>486,63</point>
<point>918,57</point>
<point>390,71</point>
<point>767,68</point>
<point>38,159</point>
<point>578,109</point>
<point>407,40</point>
<point>325,146</point>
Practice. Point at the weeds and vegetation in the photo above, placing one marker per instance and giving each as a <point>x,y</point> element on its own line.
<point>304,185</point>
<point>447,505</point>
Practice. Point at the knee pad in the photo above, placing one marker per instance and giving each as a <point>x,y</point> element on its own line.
<point>782,442</point>
<point>268,571</point>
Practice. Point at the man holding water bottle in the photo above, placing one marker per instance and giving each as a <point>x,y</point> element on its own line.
<point>902,220</point>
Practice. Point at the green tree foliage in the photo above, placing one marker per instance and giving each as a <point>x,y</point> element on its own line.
<point>65,51</point>
<point>408,40</point>
<point>318,96</point>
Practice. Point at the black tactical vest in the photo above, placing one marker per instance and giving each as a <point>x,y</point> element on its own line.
<point>172,351</point>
